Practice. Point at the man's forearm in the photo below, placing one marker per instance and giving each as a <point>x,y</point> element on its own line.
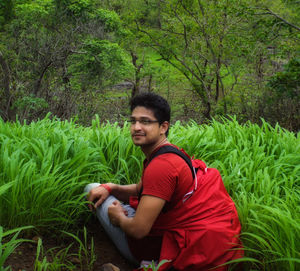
<point>123,192</point>
<point>141,223</point>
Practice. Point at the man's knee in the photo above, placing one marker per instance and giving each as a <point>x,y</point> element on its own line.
<point>90,186</point>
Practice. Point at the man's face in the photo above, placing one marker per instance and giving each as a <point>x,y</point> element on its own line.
<point>145,128</point>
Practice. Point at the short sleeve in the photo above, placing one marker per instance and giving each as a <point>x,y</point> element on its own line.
<point>160,178</point>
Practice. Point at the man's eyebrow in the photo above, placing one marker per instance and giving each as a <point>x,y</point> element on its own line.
<point>142,117</point>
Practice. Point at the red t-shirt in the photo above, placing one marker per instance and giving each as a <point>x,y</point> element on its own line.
<point>167,177</point>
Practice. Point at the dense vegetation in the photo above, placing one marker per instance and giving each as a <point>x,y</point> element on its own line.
<point>209,58</point>
<point>44,166</point>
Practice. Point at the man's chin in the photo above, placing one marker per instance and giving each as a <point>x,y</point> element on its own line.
<point>137,143</point>
<point>138,140</point>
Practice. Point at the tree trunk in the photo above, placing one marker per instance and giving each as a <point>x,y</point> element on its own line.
<point>218,78</point>
<point>206,113</point>
<point>8,112</point>
<point>204,99</point>
<point>39,81</point>
<point>136,85</point>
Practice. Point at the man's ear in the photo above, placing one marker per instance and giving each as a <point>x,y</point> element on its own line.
<point>164,127</point>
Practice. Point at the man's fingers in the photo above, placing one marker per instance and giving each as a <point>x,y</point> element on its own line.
<point>116,203</point>
<point>98,203</point>
<point>97,195</point>
<point>91,197</point>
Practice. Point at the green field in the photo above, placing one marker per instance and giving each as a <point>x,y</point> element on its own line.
<point>44,166</point>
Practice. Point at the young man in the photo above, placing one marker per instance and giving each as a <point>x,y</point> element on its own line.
<point>167,220</point>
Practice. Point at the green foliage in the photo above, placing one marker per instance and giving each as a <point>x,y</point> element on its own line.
<point>6,12</point>
<point>43,170</point>
<point>48,163</point>
<point>74,8</point>
<point>100,57</point>
<point>191,37</point>
<point>30,103</point>
<point>60,51</point>
<point>31,14</point>
<point>281,101</point>
<point>8,247</point>
<point>62,258</point>
<point>224,50</point>
<point>110,20</point>
<point>154,267</point>
<point>86,253</point>
<point>77,7</point>
<point>287,82</point>
<point>59,259</point>
<point>67,52</point>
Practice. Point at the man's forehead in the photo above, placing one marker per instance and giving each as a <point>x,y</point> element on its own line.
<point>142,112</point>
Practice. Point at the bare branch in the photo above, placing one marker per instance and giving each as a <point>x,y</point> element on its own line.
<point>270,12</point>
<point>202,27</point>
<point>184,28</point>
<point>283,20</point>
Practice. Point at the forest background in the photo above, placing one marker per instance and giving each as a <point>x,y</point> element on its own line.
<point>210,59</point>
<point>78,58</point>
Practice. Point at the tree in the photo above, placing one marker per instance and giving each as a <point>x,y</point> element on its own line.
<point>226,50</point>
<point>6,12</point>
<point>282,104</point>
<point>57,50</point>
<point>271,43</point>
<point>6,111</point>
<point>194,37</point>
<point>130,11</point>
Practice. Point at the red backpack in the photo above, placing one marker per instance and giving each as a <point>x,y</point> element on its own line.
<point>214,236</point>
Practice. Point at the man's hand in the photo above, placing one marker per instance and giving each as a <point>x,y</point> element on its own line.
<point>97,195</point>
<point>115,213</point>
<point>139,225</point>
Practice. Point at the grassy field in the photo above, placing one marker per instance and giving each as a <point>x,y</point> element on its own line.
<point>45,165</point>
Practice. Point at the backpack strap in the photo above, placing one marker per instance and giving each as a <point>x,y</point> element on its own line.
<point>171,149</point>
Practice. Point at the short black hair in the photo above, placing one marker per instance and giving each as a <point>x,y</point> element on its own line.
<point>154,102</point>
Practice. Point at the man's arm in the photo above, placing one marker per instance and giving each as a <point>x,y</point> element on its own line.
<point>140,225</point>
<point>121,192</point>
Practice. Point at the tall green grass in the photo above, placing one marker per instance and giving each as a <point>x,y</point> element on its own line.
<point>45,165</point>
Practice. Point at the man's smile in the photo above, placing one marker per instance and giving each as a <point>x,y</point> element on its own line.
<point>138,135</point>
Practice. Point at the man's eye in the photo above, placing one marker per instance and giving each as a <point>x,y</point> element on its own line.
<point>142,121</point>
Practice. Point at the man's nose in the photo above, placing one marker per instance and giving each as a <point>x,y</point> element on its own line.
<point>137,125</point>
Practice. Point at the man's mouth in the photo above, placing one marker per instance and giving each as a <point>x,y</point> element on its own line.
<point>134,135</point>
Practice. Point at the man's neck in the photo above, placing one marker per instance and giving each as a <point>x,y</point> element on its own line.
<point>148,149</point>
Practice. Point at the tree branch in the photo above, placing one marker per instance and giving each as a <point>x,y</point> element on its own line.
<point>270,12</point>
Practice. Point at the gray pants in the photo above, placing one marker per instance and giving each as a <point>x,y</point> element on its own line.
<point>115,233</point>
